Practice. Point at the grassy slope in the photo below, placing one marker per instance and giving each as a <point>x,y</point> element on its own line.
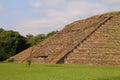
<point>15,71</point>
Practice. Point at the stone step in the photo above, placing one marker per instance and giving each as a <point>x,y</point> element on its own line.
<point>93,55</point>
<point>93,61</point>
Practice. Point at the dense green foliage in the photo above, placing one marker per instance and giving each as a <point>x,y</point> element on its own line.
<point>57,72</point>
<point>32,40</point>
<point>11,42</point>
<point>51,33</point>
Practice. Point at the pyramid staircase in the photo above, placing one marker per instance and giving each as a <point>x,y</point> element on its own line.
<point>59,58</point>
<point>95,40</point>
<point>102,48</point>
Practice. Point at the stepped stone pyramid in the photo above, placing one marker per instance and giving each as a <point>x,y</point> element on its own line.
<point>93,41</point>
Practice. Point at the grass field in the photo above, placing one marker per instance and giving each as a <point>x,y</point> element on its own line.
<point>15,71</point>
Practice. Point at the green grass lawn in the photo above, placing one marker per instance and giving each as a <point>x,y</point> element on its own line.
<point>16,71</point>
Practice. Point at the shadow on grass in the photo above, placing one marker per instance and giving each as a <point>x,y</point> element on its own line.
<point>109,78</point>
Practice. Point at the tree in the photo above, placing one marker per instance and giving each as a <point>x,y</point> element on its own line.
<point>29,39</point>
<point>51,33</point>
<point>1,30</point>
<point>39,38</point>
<point>32,40</point>
<point>11,43</point>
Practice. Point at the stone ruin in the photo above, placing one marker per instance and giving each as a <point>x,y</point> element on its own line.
<point>93,41</point>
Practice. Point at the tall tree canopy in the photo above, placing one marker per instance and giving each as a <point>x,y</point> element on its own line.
<point>11,43</point>
<point>32,40</point>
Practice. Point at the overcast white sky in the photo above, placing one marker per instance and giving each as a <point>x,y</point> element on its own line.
<point>43,16</point>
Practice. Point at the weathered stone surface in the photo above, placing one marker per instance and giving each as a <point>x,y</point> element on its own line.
<point>94,41</point>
